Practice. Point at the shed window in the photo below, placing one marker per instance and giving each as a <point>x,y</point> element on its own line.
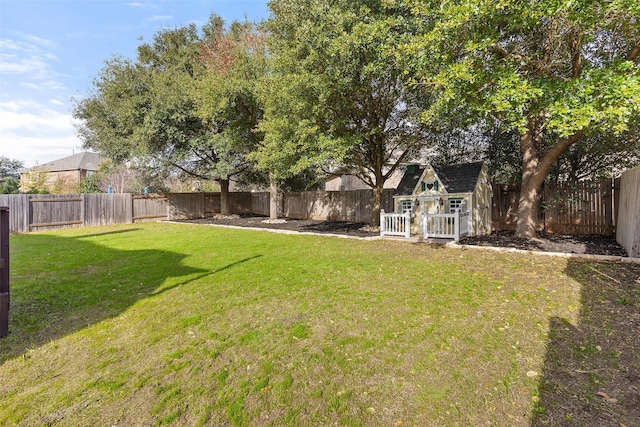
<point>406,206</point>
<point>454,204</point>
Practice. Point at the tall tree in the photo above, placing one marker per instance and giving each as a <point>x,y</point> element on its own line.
<point>155,111</point>
<point>554,71</point>
<point>335,96</point>
<point>235,61</point>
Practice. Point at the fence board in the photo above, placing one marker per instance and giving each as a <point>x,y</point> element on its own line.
<point>628,225</point>
<point>108,209</point>
<point>18,205</point>
<point>50,211</point>
<point>149,208</point>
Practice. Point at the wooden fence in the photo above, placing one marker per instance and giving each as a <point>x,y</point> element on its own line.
<point>628,227</point>
<point>37,212</point>
<point>582,208</point>
<point>585,208</point>
<point>354,206</point>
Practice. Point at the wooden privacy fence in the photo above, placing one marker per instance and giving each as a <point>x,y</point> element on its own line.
<point>37,212</point>
<point>583,208</point>
<point>579,208</point>
<point>354,206</point>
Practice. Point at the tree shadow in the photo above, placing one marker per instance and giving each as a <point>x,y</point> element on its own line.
<point>66,284</point>
<point>591,374</point>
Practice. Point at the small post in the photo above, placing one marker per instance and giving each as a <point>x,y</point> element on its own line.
<point>382,223</point>
<point>407,224</point>
<point>4,271</point>
<point>456,225</point>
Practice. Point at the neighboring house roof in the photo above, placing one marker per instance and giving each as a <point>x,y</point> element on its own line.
<point>460,178</point>
<point>409,180</point>
<point>81,161</point>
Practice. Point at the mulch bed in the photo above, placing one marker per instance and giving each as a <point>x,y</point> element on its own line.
<point>544,242</point>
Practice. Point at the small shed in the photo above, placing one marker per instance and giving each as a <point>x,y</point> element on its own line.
<point>429,190</point>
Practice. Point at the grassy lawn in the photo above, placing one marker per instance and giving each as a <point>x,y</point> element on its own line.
<point>174,324</point>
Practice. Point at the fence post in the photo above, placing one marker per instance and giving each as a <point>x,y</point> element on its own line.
<point>456,225</point>
<point>4,271</point>
<point>407,224</point>
<point>382,224</point>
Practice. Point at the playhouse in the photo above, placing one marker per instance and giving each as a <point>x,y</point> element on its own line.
<point>434,198</point>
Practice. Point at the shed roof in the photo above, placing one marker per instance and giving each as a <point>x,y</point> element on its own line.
<point>81,161</point>
<point>409,181</point>
<point>461,178</point>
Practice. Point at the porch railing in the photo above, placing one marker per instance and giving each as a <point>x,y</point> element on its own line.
<point>395,224</point>
<point>446,226</point>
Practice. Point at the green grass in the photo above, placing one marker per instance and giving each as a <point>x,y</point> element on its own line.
<point>173,324</point>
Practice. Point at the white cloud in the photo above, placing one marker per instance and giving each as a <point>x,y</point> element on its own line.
<point>156,18</point>
<point>36,133</point>
<point>50,44</point>
<point>22,58</point>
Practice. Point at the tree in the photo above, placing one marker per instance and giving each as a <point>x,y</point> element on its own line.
<point>335,97</point>
<point>152,111</point>
<point>9,175</point>
<point>553,71</point>
<point>10,167</point>
<point>9,185</point>
<point>227,97</point>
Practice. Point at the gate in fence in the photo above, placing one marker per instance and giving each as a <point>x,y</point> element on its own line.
<point>446,226</point>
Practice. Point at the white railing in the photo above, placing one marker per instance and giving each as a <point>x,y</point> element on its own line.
<point>395,224</point>
<point>446,226</point>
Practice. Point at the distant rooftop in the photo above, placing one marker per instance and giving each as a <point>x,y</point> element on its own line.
<point>81,161</point>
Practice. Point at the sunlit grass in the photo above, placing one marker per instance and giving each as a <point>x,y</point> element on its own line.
<point>172,324</point>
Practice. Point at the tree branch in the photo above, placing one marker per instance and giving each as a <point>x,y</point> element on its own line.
<point>634,53</point>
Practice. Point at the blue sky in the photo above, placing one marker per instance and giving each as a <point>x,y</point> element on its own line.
<point>50,51</point>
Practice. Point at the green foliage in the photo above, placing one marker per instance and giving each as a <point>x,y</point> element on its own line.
<point>10,167</point>
<point>559,60</point>
<point>167,110</point>
<point>335,97</point>
<point>9,185</point>
<point>91,184</point>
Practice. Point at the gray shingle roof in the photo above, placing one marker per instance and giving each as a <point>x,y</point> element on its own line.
<point>409,181</point>
<point>460,178</point>
<point>85,160</point>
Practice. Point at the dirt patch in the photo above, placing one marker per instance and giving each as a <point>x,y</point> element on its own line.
<point>591,244</point>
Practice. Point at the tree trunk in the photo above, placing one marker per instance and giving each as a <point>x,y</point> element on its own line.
<point>224,197</point>
<point>526,222</point>
<point>273,197</point>
<point>376,205</point>
<point>534,170</point>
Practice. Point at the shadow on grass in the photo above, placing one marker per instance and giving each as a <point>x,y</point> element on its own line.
<point>591,375</point>
<point>60,285</point>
